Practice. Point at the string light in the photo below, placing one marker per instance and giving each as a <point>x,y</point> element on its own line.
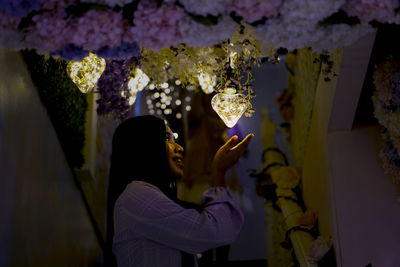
<point>87,72</point>
<point>139,81</point>
<point>132,99</point>
<point>206,82</point>
<point>229,106</point>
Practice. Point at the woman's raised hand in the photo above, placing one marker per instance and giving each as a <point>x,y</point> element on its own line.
<point>226,157</point>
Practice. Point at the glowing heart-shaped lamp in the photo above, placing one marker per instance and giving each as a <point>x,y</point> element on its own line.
<point>229,106</point>
<point>87,72</point>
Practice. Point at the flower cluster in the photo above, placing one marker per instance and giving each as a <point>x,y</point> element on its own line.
<point>386,100</point>
<point>90,25</point>
<point>367,10</point>
<point>180,40</point>
<point>116,75</point>
<point>253,10</point>
<point>207,7</point>
<point>156,27</point>
<point>96,29</point>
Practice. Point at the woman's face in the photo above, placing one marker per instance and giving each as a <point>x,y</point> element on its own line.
<point>174,155</point>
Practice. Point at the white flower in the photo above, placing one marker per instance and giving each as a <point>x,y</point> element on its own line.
<point>196,34</point>
<point>205,7</point>
<point>339,35</point>
<point>294,31</point>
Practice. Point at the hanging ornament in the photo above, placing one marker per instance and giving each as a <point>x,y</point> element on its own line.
<point>139,81</point>
<point>207,82</point>
<point>229,105</point>
<point>136,84</point>
<point>87,72</point>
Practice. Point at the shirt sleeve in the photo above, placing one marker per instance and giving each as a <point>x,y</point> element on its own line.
<point>145,210</point>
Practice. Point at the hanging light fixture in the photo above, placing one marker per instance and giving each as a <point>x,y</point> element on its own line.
<point>87,72</point>
<point>207,82</point>
<point>139,81</point>
<point>136,84</point>
<point>229,105</point>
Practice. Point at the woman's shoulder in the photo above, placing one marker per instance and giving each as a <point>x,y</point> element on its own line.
<point>135,185</point>
<point>138,190</point>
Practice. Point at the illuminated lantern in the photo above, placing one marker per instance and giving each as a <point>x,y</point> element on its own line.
<point>230,106</point>
<point>137,84</point>
<point>87,72</point>
<point>139,81</point>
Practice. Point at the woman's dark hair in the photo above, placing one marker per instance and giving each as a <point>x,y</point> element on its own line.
<point>138,154</point>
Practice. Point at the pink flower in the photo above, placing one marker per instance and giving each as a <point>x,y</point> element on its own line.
<point>367,10</point>
<point>96,29</point>
<point>252,10</point>
<point>156,28</point>
<point>47,32</point>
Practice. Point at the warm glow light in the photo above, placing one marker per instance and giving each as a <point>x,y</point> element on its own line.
<point>87,72</point>
<point>139,81</point>
<point>229,106</point>
<point>132,99</point>
<point>232,57</point>
<point>207,82</point>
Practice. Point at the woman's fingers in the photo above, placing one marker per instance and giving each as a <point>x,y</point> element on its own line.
<point>242,146</point>
<point>230,143</point>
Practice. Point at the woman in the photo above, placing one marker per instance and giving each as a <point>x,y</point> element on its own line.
<point>151,227</point>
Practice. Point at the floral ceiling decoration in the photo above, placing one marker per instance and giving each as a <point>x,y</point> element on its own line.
<point>182,40</point>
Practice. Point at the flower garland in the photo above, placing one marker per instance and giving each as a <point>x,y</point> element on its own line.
<point>116,75</point>
<point>386,100</point>
<point>180,40</point>
<point>93,24</point>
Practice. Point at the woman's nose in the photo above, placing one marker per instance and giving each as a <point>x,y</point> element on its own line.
<point>179,148</point>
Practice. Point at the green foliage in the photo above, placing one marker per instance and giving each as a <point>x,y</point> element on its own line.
<point>65,104</point>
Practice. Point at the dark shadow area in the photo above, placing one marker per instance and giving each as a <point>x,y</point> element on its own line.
<point>385,45</point>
